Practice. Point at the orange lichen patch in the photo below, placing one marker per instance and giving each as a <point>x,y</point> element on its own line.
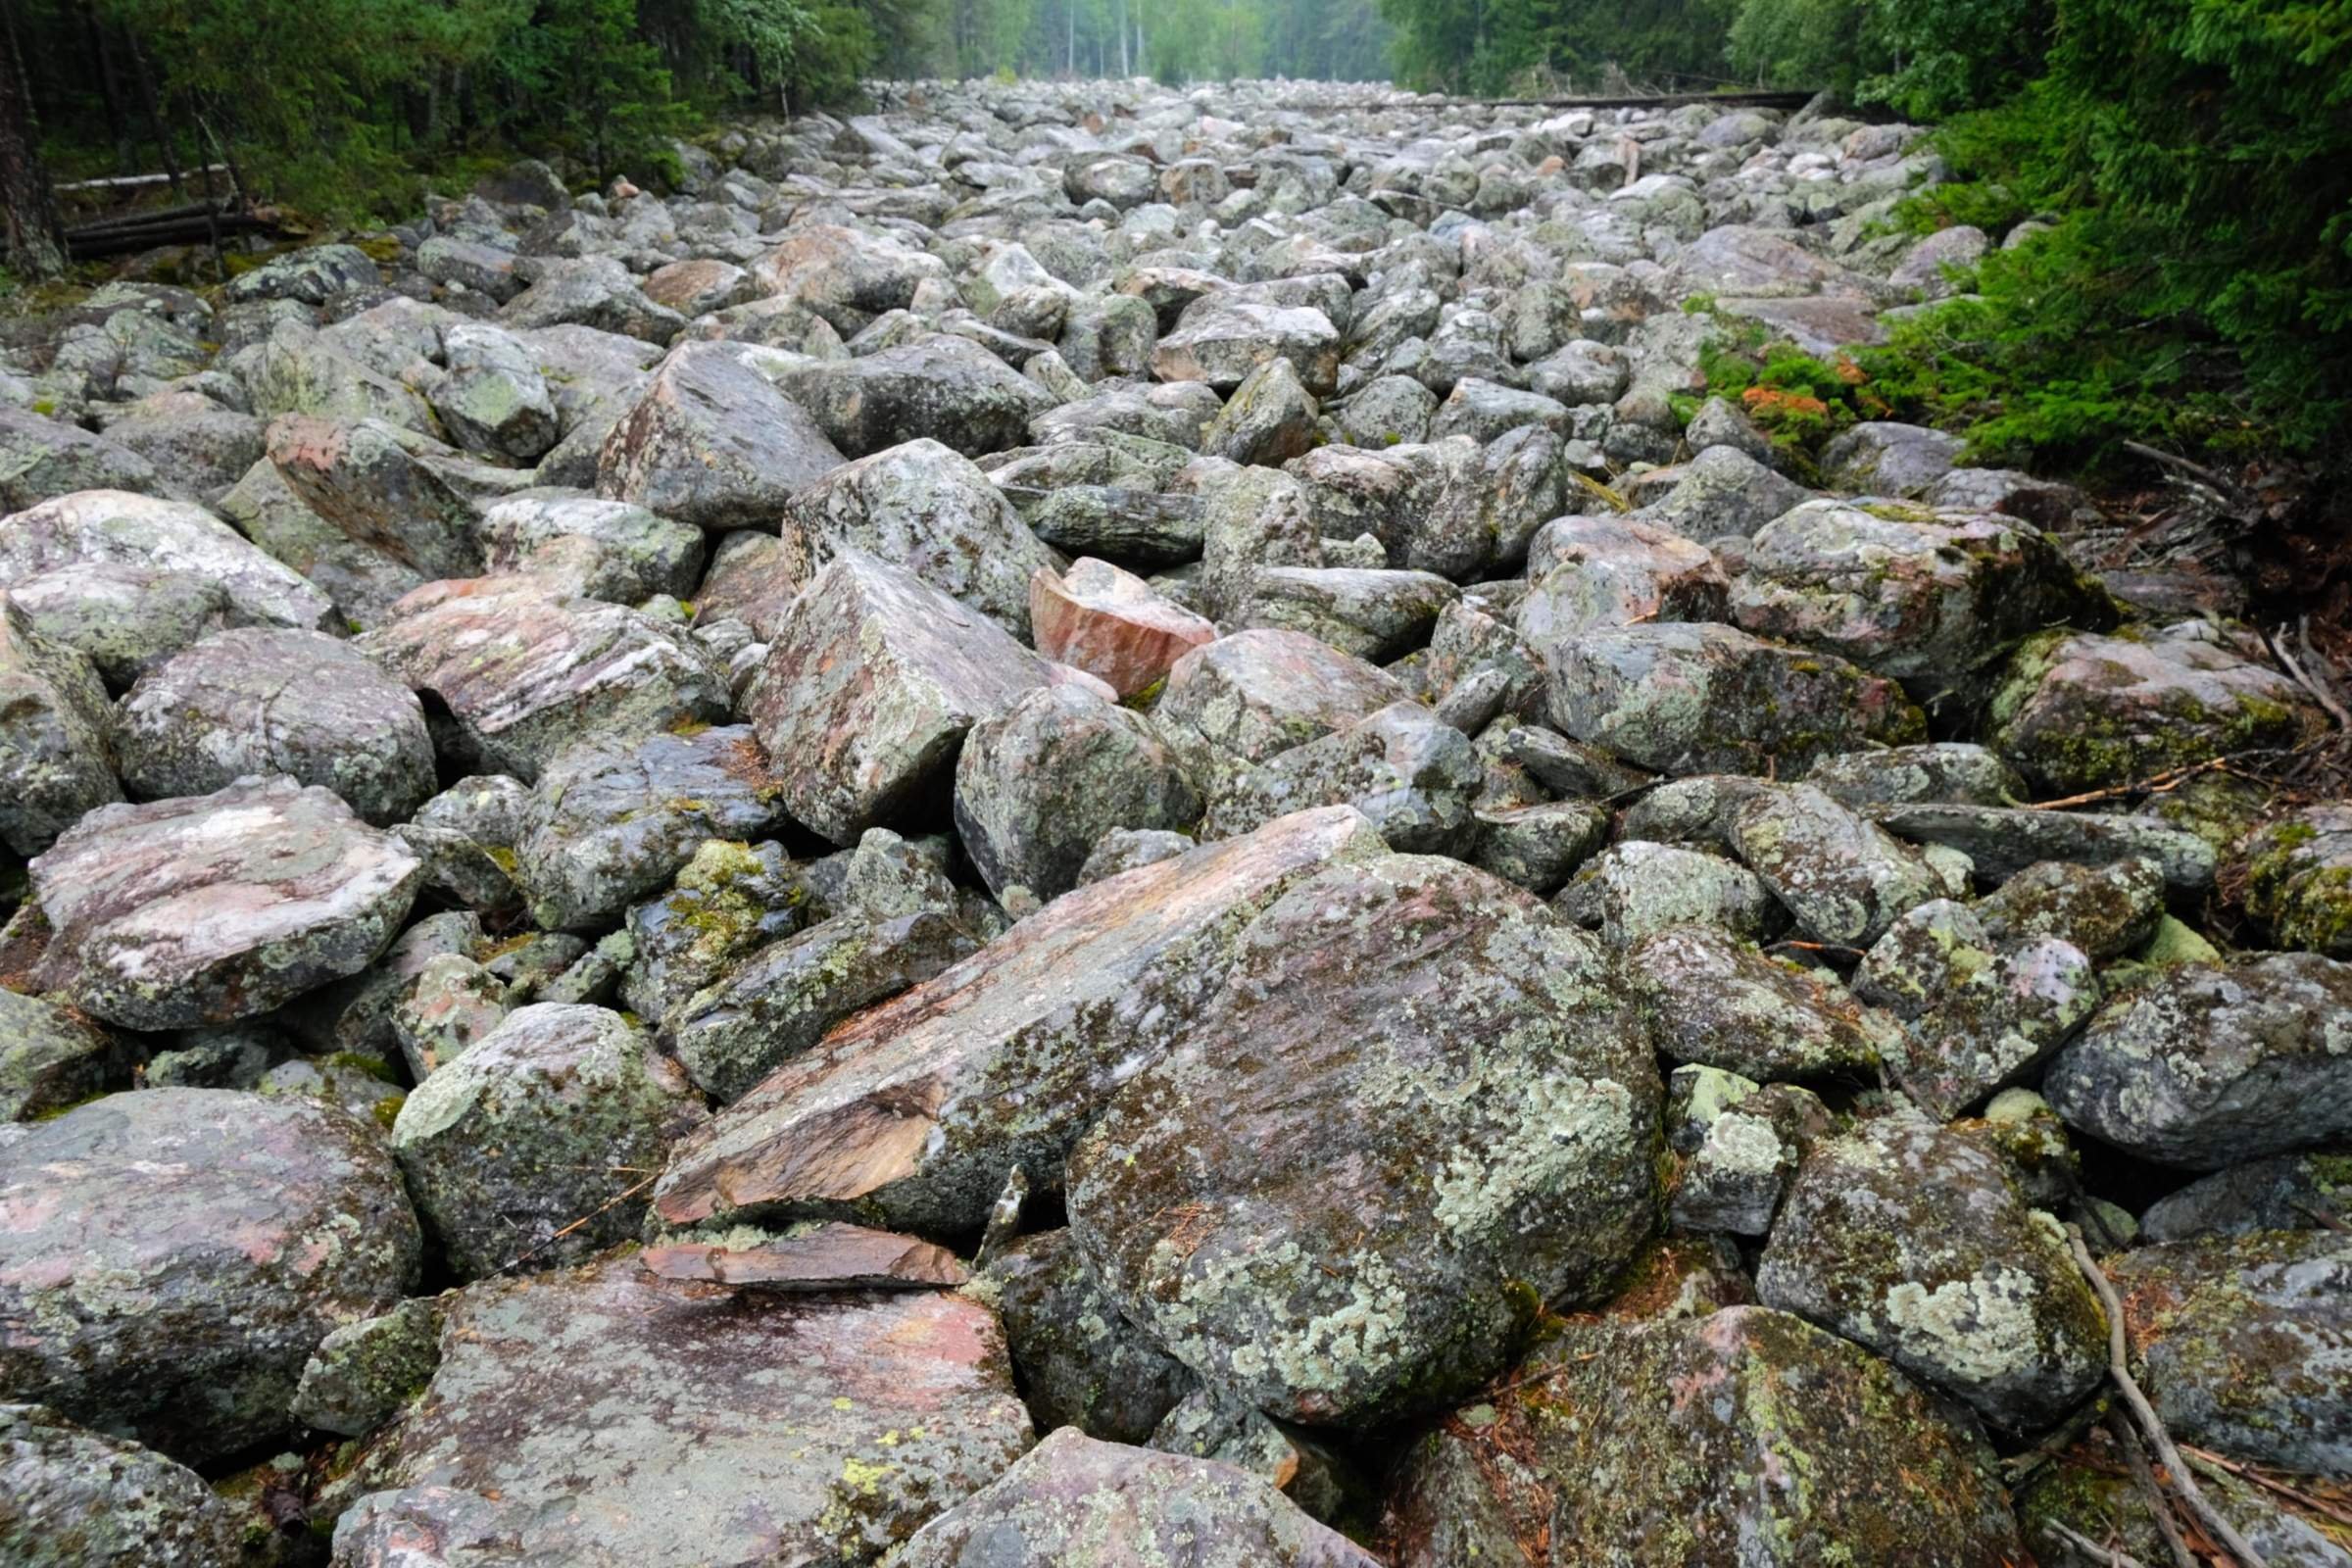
<point>1772,400</point>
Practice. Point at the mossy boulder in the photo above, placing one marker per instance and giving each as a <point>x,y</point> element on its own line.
<point>2105,910</point>
<point>1420,1107</point>
<point>2299,878</point>
<point>57,738</point>
<point>79,1498</point>
<point>2079,711</point>
<point>1952,772</point>
<point>1843,877</point>
<point>2090,1492</point>
<point>1714,999</point>
<point>1912,1240</point>
<point>52,1057</point>
<point>1741,1439</point>
<point>728,902</point>
<point>176,1255</point>
<point>364,1373</point>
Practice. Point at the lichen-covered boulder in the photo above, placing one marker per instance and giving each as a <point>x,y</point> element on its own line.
<point>846,276</point>
<point>379,487</point>
<point>212,908</point>
<point>1686,698</point>
<point>2094,1495</point>
<point>1036,785</point>
<point>44,459</point>
<point>1589,573</point>
<point>173,1255</point>
<point>116,527</point>
<point>930,510</point>
<point>1978,1013</point>
<point>79,1498</point>
<point>1082,1363</point>
<point>2001,841</point>
<point>1723,493</point>
<point>1887,459</point>
<point>911,1114</point>
<point>728,900</point>
<point>1634,888</point>
<point>608,549</point>
<point>52,1057</point>
<point>710,443</point>
<point>1540,844</point>
<point>1942,772</point>
<point>949,389</point>
<point>124,618</point>
<point>493,401</point>
<point>541,1123</point>
<point>1259,693</point>
<point>1749,1151</point>
<point>667,1425</point>
<point>277,702</point>
<point>1286,1207</point>
<point>1221,340</point>
<point>868,689</point>
<point>1072,1502</point>
<point>1843,877</point>
<point>1912,1240</point>
<point>2082,711</point>
<point>1111,625</point>
<point>2299,878</point>
<point>2106,910</point>
<point>609,824</point>
<point>1411,773</point>
<point>2244,1344</point>
<point>1715,998</point>
<point>1906,592</point>
<point>525,672</point>
<point>594,291</point>
<point>1747,1438</point>
<point>2204,1066</point>
<point>57,735</point>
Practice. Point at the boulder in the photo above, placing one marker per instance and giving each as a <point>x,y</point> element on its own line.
<point>1714,999</point>
<point>1585,573</point>
<point>1413,776</point>
<point>1072,1499</point>
<point>710,443</point>
<point>1111,625</point>
<point>174,1256</point>
<point>2204,1066</point>
<point>1082,1364</point>
<point>363,480</point>
<point>212,908</point>
<point>52,1057</point>
<point>1221,340</point>
<point>1843,877</point>
<point>297,703</point>
<point>846,276</point>
<point>947,390</point>
<point>653,1411</point>
<point>1258,693</point>
<point>911,1113</point>
<point>1678,1429</point>
<point>595,548</point>
<point>1390,1268</point>
<point>540,1127</point>
<point>1635,887</point>
<point>2299,878</point>
<point>43,460</point>
<point>1912,1240</point>
<point>115,526</point>
<point>57,735</point>
<point>1884,458</point>
<point>868,688</point>
<point>79,1498</point>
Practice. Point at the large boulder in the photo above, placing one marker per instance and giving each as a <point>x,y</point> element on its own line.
<point>929,510</point>
<point>365,480</point>
<point>1912,1240</point>
<point>1258,693</point>
<point>846,276</point>
<point>710,442</point>
<point>212,908</point>
<point>523,1149</point>
<point>42,459</point>
<point>1221,340</point>
<point>1744,1440</point>
<point>911,1113</point>
<point>524,672</point>
<point>1706,699</point>
<point>869,689</point>
<point>114,525</point>
<point>294,702</point>
<point>2204,1066</point>
<point>1389,1265</point>
<point>1113,625</point>
<point>173,1255</point>
<point>611,1419</point>
<point>1072,1501</point>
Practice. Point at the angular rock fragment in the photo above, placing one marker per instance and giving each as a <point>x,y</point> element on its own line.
<point>1082,1363</point>
<point>57,735</point>
<point>78,1496</point>
<point>114,525</point>
<point>1110,625</point>
<point>1716,1000</point>
<point>1257,693</point>
<point>1843,877</point>
<point>710,442</point>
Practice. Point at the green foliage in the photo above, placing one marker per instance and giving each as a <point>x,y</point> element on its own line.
<point>1923,58</point>
<point>1484,46</point>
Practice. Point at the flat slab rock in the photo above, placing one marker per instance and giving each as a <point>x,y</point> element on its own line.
<point>609,1419</point>
<point>831,1256</point>
<point>911,1113</point>
<point>170,1258</point>
<point>1072,1501</point>
<point>1747,1438</point>
<point>212,907</point>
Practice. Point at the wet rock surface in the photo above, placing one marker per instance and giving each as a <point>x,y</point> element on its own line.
<point>682,863</point>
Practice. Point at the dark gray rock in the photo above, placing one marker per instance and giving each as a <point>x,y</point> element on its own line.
<point>57,735</point>
<point>79,1498</point>
<point>710,443</point>
<point>1081,1362</point>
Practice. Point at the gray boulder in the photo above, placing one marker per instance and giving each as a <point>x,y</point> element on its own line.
<point>1714,999</point>
<point>79,1498</point>
<point>1082,1363</point>
<point>710,443</point>
<point>947,390</point>
<point>57,735</point>
<point>115,526</point>
<point>1843,877</point>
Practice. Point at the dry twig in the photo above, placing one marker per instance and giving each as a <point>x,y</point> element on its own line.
<point>2112,1557</point>
<point>605,1207</point>
<point>2295,673</point>
<point>2164,783</point>
<point>2206,1458</point>
<point>2158,1504</point>
<point>2151,1426</point>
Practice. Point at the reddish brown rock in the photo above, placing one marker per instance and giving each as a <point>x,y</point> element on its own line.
<point>1110,625</point>
<point>702,285</point>
<point>911,1113</point>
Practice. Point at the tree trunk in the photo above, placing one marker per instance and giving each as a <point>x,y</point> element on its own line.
<point>36,241</point>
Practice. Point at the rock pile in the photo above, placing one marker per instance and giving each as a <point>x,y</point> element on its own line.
<point>1082,825</point>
